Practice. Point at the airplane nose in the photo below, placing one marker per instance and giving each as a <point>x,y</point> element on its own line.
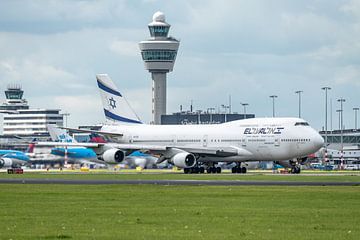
<point>318,141</point>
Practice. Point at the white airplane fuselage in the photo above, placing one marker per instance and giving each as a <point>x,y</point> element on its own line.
<point>257,139</point>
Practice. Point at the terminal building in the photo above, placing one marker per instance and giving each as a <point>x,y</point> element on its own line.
<point>343,147</point>
<point>25,123</point>
<point>202,117</point>
<point>350,137</point>
<point>31,123</point>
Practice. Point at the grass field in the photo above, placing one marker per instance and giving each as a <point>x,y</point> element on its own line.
<point>178,212</point>
<point>348,177</point>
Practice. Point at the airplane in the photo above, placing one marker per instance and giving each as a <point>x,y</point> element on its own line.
<point>197,148</point>
<point>135,159</point>
<point>60,135</point>
<point>14,158</point>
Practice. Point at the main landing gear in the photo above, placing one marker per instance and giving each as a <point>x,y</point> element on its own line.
<point>201,169</point>
<point>194,170</point>
<point>213,169</point>
<point>295,170</point>
<point>238,169</point>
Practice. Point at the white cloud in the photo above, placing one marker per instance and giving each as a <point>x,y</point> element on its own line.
<point>352,7</point>
<point>125,48</point>
<point>84,109</point>
<point>348,75</point>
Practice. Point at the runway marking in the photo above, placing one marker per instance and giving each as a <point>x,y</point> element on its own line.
<point>176,182</point>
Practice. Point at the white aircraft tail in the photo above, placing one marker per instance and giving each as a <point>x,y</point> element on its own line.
<point>59,135</point>
<point>116,108</point>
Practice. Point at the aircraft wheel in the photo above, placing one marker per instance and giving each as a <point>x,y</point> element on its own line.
<point>293,170</point>
<point>202,170</point>
<point>243,170</point>
<point>218,170</point>
<point>238,170</point>
<point>213,169</point>
<point>196,170</point>
<point>233,170</point>
<point>186,170</point>
<point>298,170</point>
<point>208,170</point>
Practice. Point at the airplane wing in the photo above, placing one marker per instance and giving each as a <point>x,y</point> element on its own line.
<point>202,154</point>
<point>158,149</point>
<point>94,131</point>
<point>68,144</point>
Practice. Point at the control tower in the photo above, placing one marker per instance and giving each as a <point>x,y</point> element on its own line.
<point>159,54</point>
<point>14,100</point>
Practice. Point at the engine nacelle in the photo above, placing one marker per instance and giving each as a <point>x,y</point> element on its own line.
<point>6,162</point>
<point>113,155</point>
<point>183,160</point>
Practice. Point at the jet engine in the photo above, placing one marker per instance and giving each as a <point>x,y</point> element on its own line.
<point>5,162</point>
<point>113,155</point>
<point>183,160</point>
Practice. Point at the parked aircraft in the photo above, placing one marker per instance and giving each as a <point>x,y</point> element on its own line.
<point>197,148</point>
<point>135,159</point>
<point>13,158</point>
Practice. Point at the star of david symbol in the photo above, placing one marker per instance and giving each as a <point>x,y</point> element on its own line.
<point>112,103</point>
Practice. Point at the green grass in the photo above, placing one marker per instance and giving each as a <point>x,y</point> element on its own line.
<point>180,176</point>
<point>178,212</point>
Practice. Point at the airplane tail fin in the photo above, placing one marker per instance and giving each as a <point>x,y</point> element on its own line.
<point>31,147</point>
<point>59,135</point>
<point>116,108</point>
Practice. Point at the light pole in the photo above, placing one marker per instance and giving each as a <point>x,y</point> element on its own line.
<point>339,111</point>
<point>341,100</point>
<point>326,90</point>
<point>199,117</point>
<point>299,92</point>
<point>66,114</point>
<point>355,111</point>
<point>244,105</point>
<point>331,115</point>
<point>225,107</point>
<point>210,110</point>
<point>273,102</point>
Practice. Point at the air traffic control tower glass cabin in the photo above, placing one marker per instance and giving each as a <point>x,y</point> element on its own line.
<point>159,54</point>
<point>14,100</point>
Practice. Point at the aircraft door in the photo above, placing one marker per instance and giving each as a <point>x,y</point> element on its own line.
<point>174,139</point>
<point>244,142</point>
<point>277,142</point>
<point>205,140</point>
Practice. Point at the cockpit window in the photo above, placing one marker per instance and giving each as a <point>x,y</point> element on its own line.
<point>301,124</point>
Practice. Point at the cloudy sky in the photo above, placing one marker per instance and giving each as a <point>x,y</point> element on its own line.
<point>249,49</point>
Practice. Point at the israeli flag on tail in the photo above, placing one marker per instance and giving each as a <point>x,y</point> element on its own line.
<point>116,108</point>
